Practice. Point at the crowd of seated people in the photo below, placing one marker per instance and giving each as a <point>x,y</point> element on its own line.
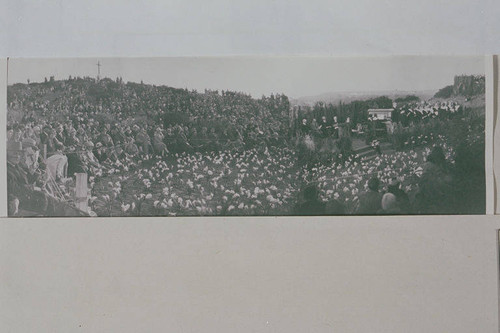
<point>417,112</point>
<point>435,194</point>
<point>59,128</point>
<point>178,118</point>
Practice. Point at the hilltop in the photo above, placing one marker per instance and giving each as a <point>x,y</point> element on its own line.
<point>351,96</point>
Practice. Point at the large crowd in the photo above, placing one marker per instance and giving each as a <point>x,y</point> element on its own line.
<point>153,118</point>
<point>421,111</point>
<point>181,152</point>
<point>270,183</point>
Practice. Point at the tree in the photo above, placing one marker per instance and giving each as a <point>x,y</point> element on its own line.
<point>382,102</point>
<point>407,99</point>
<point>445,92</point>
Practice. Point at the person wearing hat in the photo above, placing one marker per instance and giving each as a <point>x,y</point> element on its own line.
<point>31,154</point>
<point>143,140</point>
<point>14,151</point>
<point>52,142</point>
<point>89,159</point>
<point>17,134</point>
<point>100,152</point>
<point>71,139</point>
<point>158,144</point>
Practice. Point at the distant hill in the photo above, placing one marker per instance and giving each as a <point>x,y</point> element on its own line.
<point>463,85</point>
<point>347,97</point>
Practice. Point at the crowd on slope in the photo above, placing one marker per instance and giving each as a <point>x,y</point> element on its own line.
<point>61,128</point>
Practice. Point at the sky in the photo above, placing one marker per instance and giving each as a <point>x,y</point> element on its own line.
<point>294,76</point>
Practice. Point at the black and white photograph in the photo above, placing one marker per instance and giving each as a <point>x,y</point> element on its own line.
<point>246,136</point>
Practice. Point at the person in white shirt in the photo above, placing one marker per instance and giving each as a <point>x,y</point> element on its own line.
<point>57,164</point>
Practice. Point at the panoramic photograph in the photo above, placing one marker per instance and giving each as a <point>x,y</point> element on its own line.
<point>246,136</point>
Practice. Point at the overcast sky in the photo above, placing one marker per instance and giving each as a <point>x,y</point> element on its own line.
<point>294,76</point>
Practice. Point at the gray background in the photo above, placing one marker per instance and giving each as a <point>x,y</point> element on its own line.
<point>59,28</point>
<point>412,274</point>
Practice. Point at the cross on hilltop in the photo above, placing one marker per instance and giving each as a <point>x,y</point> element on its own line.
<point>98,70</point>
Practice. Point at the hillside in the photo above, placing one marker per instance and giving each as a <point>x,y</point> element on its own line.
<point>463,85</point>
<point>350,96</point>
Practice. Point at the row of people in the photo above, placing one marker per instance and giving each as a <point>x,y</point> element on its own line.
<point>323,128</point>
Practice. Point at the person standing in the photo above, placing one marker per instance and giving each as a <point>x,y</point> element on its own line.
<point>315,128</point>
<point>336,127</point>
<point>347,127</point>
<point>324,127</point>
<point>304,128</point>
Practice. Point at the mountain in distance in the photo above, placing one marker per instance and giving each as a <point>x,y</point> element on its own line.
<point>350,96</point>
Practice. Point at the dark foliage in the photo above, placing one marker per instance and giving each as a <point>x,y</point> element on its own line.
<point>445,92</point>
